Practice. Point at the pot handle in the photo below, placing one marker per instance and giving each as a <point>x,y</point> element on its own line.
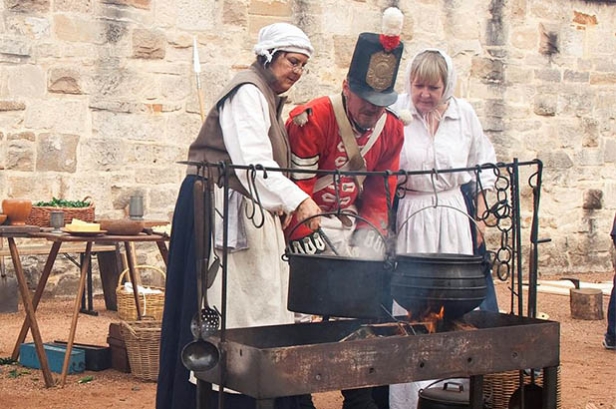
<point>447,207</point>
<point>387,246</point>
<point>447,386</point>
<point>455,386</point>
<point>341,214</point>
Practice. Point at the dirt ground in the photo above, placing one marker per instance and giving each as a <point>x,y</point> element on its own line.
<point>588,371</point>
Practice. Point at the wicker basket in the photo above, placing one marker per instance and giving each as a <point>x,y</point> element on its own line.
<point>498,388</point>
<point>40,215</point>
<point>151,304</point>
<point>142,339</point>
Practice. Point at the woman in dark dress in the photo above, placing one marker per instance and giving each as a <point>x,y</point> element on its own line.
<point>245,128</point>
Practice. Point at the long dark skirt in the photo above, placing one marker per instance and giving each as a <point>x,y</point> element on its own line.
<point>174,391</point>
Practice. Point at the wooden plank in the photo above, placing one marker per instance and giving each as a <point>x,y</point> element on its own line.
<point>560,290</point>
<point>8,230</point>
<point>43,249</point>
<point>154,223</point>
<point>606,286</point>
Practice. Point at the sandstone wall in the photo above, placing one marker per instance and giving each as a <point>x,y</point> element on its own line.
<point>98,97</point>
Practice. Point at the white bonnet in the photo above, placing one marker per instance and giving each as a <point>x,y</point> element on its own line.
<point>282,37</point>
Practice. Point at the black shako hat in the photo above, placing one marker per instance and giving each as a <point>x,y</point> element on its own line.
<point>374,68</point>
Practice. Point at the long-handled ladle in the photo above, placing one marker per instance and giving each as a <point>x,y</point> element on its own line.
<point>201,355</point>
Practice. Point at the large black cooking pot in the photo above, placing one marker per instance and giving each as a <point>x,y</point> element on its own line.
<point>423,283</point>
<point>338,286</point>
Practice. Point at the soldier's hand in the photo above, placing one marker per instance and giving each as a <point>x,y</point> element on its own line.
<point>307,209</point>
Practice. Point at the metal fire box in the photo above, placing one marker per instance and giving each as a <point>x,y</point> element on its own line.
<point>273,361</point>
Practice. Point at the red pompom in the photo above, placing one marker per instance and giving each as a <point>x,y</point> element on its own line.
<point>389,42</point>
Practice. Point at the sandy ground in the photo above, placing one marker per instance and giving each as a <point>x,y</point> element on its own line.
<point>588,372</point>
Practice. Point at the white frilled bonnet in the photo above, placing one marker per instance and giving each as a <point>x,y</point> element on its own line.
<point>282,37</point>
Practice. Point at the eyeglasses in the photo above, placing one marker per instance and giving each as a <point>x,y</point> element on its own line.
<point>296,66</point>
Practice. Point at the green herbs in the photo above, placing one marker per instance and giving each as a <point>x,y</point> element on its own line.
<point>64,203</point>
<point>86,379</point>
<point>16,373</point>
<point>7,361</point>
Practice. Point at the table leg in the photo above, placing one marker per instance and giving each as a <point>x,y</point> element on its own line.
<point>164,252</point>
<point>87,308</point>
<point>38,293</point>
<point>130,259</point>
<point>80,290</point>
<point>30,312</point>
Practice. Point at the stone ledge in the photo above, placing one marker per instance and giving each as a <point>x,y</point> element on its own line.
<point>12,106</point>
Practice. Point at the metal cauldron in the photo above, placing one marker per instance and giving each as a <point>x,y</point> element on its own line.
<point>423,283</point>
<point>338,286</point>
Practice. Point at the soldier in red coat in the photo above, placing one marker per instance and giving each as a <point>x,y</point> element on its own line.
<point>351,131</point>
<point>316,143</point>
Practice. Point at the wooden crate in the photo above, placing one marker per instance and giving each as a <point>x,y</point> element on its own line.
<point>119,355</point>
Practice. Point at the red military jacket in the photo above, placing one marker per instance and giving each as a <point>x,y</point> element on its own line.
<point>316,144</point>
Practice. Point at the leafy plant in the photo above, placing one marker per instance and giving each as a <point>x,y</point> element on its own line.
<point>7,361</point>
<point>16,373</point>
<point>55,202</point>
<point>86,379</point>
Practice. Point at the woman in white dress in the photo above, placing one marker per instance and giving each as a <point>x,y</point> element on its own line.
<point>444,133</point>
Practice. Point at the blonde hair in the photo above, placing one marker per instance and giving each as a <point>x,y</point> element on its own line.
<point>428,67</point>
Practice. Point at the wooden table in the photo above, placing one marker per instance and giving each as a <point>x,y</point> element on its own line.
<point>10,235</point>
<point>57,241</point>
<point>42,249</point>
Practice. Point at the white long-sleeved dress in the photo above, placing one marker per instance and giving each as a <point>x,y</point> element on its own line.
<point>257,276</point>
<point>459,143</point>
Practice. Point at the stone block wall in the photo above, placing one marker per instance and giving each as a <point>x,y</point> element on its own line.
<point>98,97</point>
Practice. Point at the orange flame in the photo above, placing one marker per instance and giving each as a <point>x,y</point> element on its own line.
<point>429,319</point>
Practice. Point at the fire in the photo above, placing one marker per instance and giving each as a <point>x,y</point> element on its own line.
<point>429,319</point>
<point>429,322</point>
